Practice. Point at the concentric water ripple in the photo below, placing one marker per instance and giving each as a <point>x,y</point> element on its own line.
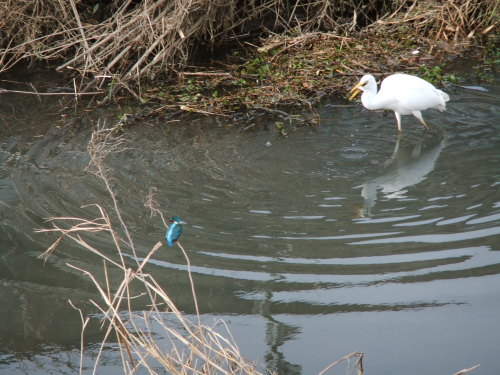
<point>346,217</point>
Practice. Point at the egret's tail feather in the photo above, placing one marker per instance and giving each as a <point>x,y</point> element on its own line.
<point>442,106</point>
<point>444,95</point>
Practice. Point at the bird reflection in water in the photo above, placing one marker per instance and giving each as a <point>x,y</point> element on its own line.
<point>408,165</point>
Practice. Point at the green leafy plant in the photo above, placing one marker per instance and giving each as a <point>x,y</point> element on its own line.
<point>280,128</point>
<point>433,74</point>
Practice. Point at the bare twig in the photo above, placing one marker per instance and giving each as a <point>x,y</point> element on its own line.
<point>4,91</point>
<point>466,370</point>
<point>358,364</point>
<point>85,321</point>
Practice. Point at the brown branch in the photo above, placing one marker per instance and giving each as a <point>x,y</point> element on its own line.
<point>3,91</point>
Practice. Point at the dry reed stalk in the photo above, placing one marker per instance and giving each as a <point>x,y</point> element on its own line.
<point>466,370</point>
<point>358,364</point>
<point>85,321</point>
<point>448,20</point>
<point>195,348</point>
<point>193,344</point>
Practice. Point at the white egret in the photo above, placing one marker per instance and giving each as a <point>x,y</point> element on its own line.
<point>402,93</point>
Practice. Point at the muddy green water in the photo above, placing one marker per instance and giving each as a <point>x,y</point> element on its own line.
<point>331,240</point>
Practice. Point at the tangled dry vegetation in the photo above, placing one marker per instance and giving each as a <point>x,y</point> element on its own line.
<point>135,39</point>
<point>116,44</point>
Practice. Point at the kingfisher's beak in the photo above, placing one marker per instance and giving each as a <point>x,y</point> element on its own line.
<point>178,222</point>
<point>355,91</point>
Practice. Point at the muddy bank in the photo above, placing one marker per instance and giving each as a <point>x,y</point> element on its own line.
<point>224,59</point>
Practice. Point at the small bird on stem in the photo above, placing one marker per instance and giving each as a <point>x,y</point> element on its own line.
<point>174,231</point>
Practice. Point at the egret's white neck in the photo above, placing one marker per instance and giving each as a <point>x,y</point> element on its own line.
<point>370,99</point>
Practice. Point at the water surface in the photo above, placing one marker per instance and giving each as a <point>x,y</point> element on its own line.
<point>335,239</point>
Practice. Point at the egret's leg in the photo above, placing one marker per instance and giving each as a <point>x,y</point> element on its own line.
<point>418,115</point>
<point>398,119</point>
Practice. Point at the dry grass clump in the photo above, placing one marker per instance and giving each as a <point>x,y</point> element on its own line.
<point>131,40</point>
<point>448,20</point>
<point>116,44</point>
<point>137,39</point>
<point>24,29</point>
<point>191,347</point>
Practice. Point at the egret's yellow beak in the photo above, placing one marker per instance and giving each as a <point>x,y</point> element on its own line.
<point>355,90</point>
